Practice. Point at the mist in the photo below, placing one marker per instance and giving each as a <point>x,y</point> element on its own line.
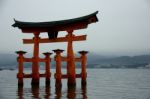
<point>123,27</point>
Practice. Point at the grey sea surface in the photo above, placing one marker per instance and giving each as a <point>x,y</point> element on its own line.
<point>101,84</point>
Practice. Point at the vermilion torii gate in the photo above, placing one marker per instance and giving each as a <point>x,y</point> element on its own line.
<point>52,28</point>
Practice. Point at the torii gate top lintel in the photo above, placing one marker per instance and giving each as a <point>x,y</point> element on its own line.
<point>56,26</point>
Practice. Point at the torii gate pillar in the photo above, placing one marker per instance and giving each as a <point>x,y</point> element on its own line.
<point>71,61</point>
<point>58,74</point>
<point>47,67</point>
<point>20,74</point>
<point>83,67</point>
<point>35,64</point>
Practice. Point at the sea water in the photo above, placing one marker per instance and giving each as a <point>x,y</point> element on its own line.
<point>101,84</point>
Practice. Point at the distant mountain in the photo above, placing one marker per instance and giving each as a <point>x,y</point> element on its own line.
<point>7,59</point>
<point>126,60</point>
<point>94,60</point>
<point>123,61</point>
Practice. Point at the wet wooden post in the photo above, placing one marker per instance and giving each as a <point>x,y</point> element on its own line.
<point>35,64</point>
<point>71,93</point>
<point>58,74</point>
<point>35,91</point>
<point>20,60</point>
<point>83,67</point>
<point>71,61</point>
<point>58,92</point>
<point>20,92</point>
<point>47,68</point>
<point>47,92</point>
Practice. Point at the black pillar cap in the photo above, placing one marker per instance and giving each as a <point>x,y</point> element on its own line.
<point>21,52</point>
<point>58,50</point>
<point>47,53</point>
<point>83,52</point>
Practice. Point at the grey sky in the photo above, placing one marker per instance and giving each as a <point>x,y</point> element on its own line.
<point>123,27</point>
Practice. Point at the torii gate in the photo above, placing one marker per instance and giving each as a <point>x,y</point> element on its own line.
<point>52,28</point>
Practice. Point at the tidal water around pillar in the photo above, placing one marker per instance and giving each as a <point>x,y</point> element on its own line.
<point>101,84</point>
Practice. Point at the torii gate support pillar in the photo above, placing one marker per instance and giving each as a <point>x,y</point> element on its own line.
<point>70,60</point>
<point>83,67</point>
<point>47,68</point>
<point>20,74</point>
<point>35,64</point>
<point>58,74</point>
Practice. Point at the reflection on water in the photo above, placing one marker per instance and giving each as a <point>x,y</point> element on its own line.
<point>47,92</point>
<point>71,93</point>
<point>20,92</point>
<point>58,92</point>
<point>84,92</point>
<point>35,92</point>
<point>102,84</point>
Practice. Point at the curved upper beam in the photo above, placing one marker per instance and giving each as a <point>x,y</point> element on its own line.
<point>56,26</point>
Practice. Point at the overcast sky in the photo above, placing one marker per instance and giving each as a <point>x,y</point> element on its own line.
<point>123,27</point>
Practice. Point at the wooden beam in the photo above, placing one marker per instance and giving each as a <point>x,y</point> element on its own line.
<point>78,75</point>
<point>64,59</point>
<point>32,59</point>
<point>42,60</point>
<point>72,26</point>
<point>27,76</point>
<point>28,59</point>
<point>60,39</point>
<point>30,75</point>
<point>65,76</point>
<point>78,59</point>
